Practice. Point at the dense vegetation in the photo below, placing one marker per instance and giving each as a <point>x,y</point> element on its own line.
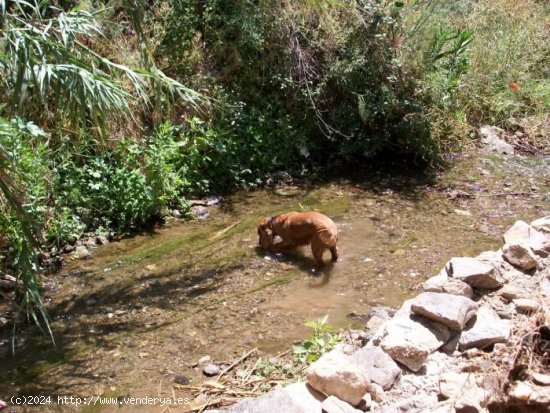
<point>112,112</point>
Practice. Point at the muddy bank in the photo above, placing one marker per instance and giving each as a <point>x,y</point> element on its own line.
<point>144,310</point>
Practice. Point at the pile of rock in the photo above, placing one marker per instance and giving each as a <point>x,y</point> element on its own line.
<point>439,351</point>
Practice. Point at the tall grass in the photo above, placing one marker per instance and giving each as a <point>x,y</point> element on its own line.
<point>508,72</point>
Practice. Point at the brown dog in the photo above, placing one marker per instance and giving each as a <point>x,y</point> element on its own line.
<point>300,228</point>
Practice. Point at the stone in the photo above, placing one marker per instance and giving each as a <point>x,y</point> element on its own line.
<point>211,369</point>
<point>80,253</point>
<point>495,259</point>
<point>176,213</point>
<point>492,140</point>
<point>442,283</point>
<point>542,224</point>
<point>295,398</point>
<point>376,392</point>
<point>543,379</point>
<point>417,403</point>
<point>200,212</point>
<point>448,309</point>
<point>181,379</point>
<point>101,240</point>
<point>522,231</point>
<point>409,339</point>
<point>511,291</point>
<point>204,359</point>
<point>335,374</point>
<point>463,390</point>
<point>68,248</point>
<point>366,403</point>
<point>474,272</point>
<point>502,309</point>
<point>522,391</point>
<point>520,256</point>
<point>380,367</point>
<point>487,329</point>
<point>378,316</point>
<point>526,305</point>
<point>333,404</point>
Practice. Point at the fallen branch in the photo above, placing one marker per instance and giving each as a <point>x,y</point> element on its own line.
<point>232,365</point>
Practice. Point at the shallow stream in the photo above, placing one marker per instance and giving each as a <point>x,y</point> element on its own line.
<point>145,308</point>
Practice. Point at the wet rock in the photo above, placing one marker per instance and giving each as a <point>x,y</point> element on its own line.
<point>176,213</point>
<point>474,272</point>
<point>335,374</point>
<point>522,231</point>
<point>448,309</point>
<point>487,329</point>
<point>410,339</point>
<point>81,252</point>
<point>211,369</point>
<point>493,141</point>
<point>295,398</point>
<point>380,367</point>
<point>442,283</point>
<point>333,404</point>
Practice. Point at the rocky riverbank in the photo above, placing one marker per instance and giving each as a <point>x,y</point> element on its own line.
<point>476,339</point>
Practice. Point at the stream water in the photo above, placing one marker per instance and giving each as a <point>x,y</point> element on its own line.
<point>147,307</point>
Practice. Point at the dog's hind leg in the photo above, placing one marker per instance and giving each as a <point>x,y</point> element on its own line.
<point>318,249</point>
<point>334,253</point>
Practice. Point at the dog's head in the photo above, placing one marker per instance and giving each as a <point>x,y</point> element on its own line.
<point>265,232</point>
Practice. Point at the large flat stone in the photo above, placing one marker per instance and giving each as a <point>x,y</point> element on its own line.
<point>474,272</point>
<point>409,339</point>
<point>442,283</point>
<point>448,309</point>
<point>379,366</point>
<point>486,330</point>
<point>335,374</point>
